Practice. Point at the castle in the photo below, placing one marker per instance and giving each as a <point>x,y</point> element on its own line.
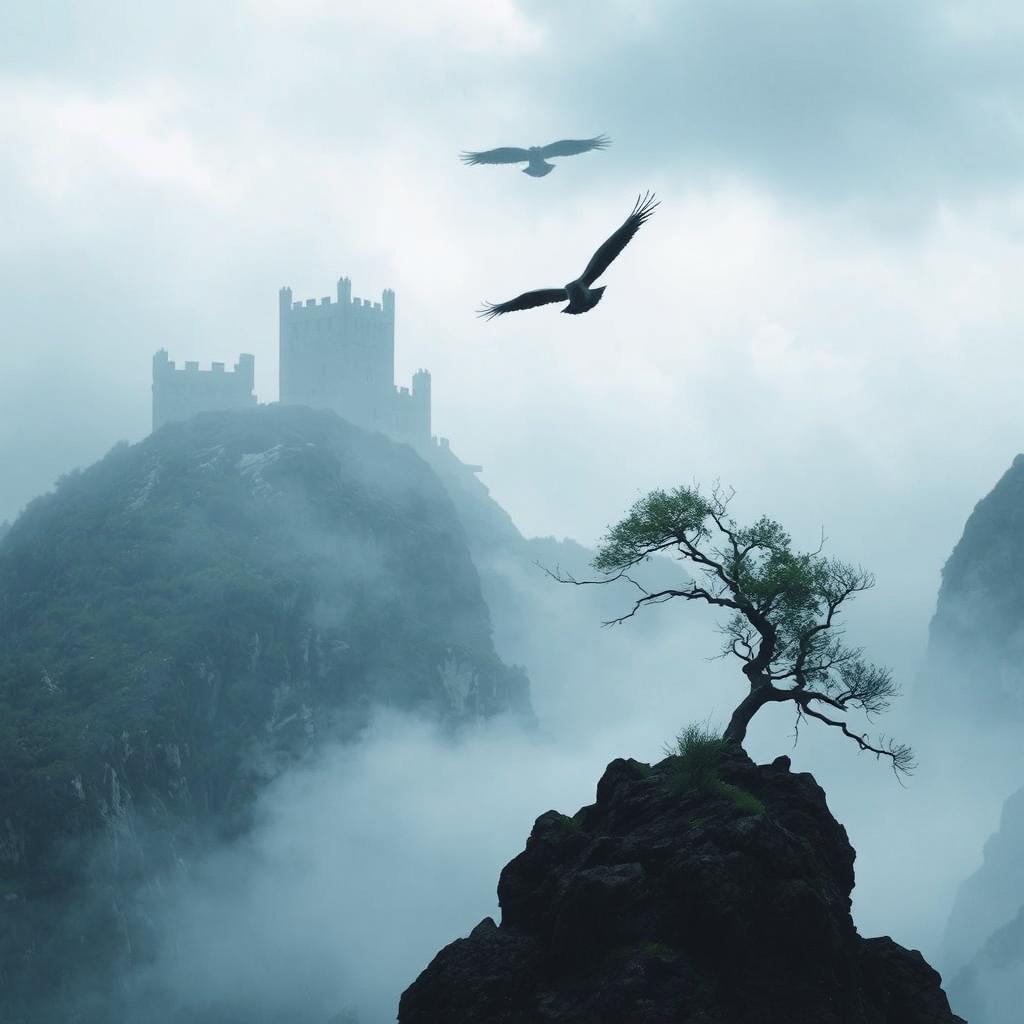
<point>333,354</point>
<point>179,394</point>
<point>340,354</point>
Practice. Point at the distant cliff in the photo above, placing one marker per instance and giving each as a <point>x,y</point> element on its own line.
<point>975,659</point>
<point>974,679</point>
<point>667,903</point>
<point>989,988</point>
<point>184,619</point>
<point>553,629</point>
<point>984,941</point>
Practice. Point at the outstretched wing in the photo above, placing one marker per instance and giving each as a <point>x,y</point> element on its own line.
<point>570,147</point>
<point>527,300</point>
<point>602,259</point>
<point>505,155</point>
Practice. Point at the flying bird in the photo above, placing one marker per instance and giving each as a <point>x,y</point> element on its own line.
<point>580,294</point>
<point>536,156</point>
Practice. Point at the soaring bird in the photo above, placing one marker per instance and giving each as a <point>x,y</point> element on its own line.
<point>536,155</point>
<point>579,292</point>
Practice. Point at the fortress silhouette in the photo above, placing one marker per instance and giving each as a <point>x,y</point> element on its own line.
<point>334,354</point>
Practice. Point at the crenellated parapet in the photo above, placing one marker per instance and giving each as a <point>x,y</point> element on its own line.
<point>342,305</point>
<point>339,353</point>
<point>181,393</point>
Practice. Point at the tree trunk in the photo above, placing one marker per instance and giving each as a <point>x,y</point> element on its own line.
<point>759,695</point>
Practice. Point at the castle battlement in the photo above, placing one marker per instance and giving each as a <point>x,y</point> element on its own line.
<point>344,305</point>
<point>339,353</point>
<point>335,353</point>
<point>180,393</point>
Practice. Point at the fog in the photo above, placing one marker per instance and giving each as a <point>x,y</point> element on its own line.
<point>364,863</point>
<point>824,313</point>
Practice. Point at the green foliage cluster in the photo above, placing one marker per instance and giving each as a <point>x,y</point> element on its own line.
<point>754,566</point>
<point>780,606</point>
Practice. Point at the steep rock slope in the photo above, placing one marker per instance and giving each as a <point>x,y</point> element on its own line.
<point>990,898</point>
<point>989,988</point>
<point>553,629</point>
<point>974,677</point>
<point>975,659</point>
<point>182,620</point>
<point>984,940</point>
<point>659,903</point>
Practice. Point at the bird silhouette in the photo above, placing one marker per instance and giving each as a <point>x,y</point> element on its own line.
<point>580,294</point>
<point>536,156</point>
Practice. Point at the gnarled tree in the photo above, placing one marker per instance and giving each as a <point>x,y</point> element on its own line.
<point>783,607</point>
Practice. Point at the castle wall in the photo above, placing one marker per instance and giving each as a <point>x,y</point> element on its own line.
<point>340,354</point>
<point>180,394</point>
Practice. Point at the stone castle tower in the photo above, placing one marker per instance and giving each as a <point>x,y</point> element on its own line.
<point>334,354</point>
<point>180,394</point>
<point>340,354</point>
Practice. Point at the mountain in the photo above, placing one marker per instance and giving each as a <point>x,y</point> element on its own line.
<point>990,898</point>
<point>686,894</point>
<point>984,939</point>
<point>181,622</point>
<point>989,988</point>
<point>552,628</point>
<point>975,660</point>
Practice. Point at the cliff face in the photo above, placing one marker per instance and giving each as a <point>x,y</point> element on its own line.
<point>974,676</point>
<point>727,903</point>
<point>984,940</point>
<point>180,622</point>
<point>988,989</point>
<point>552,628</point>
<point>975,660</point>
<point>990,898</point>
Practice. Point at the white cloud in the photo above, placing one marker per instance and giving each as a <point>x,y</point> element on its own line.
<point>499,25</point>
<point>67,145</point>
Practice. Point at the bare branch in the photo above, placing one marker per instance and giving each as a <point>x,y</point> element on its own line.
<point>900,754</point>
<point>695,593</point>
<point>559,577</point>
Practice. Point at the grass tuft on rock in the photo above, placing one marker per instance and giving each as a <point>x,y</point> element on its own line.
<point>697,753</point>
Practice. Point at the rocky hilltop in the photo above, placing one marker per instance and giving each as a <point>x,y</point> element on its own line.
<point>183,620</point>
<point>682,898</point>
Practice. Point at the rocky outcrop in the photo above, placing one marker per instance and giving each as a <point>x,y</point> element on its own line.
<point>723,903</point>
<point>182,621</point>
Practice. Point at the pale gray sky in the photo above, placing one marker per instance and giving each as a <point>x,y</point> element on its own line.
<point>824,312</point>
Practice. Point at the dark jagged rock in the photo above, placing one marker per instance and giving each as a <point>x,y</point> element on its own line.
<point>660,904</point>
<point>182,621</point>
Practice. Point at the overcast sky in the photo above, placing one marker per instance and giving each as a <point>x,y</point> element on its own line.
<point>825,311</point>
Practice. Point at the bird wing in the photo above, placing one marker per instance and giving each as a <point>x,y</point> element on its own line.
<point>570,147</point>
<point>602,259</point>
<point>527,300</point>
<point>504,155</point>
